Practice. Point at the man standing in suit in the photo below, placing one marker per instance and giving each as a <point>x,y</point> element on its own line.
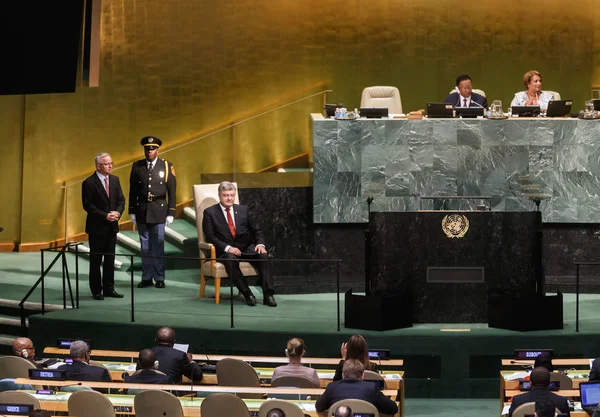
<point>148,373</point>
<point>540,380</point>
<point>353,387</point>
<point>104,203</point>
<point>174,363</point>
<point>152,199</point>
<point>80,369</point>
<point>236,236</point>
<point>464,95</point>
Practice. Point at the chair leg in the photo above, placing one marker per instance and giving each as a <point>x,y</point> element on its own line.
<point>217,290</point>
<point>202,285</point>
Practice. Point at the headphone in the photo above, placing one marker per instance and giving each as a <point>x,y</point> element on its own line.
<point>24,353</point>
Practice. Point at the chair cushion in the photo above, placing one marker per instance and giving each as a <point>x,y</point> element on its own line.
<point>219,270</point>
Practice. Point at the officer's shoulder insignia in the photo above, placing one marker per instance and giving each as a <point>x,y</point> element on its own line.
<point>172,170</point>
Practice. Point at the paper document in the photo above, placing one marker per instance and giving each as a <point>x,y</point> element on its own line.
<point>591,362</point>
<point>516,375</point>
<point>505,410</point>
<point>326,375</point>
<point>392,377</point>
<point>307,406</point>
<point>183,348</point>
<point>56,365</point>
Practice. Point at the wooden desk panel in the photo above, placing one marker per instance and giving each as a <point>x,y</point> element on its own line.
<point>579,362</point>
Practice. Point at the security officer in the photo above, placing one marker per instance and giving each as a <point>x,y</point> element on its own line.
<point>152,188</point>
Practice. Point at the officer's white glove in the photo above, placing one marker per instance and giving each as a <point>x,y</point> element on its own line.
<point>169,220</point>
<point>132,217</point>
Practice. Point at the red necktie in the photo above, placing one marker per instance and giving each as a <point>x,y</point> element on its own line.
<point>464,102</point>
<point>106,185</point>
<point>230,223</point>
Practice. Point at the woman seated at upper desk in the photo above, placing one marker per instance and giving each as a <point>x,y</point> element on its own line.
<point>294,351</point>
<point>533,96</point>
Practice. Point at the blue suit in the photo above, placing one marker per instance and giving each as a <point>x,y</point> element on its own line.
<point>455,99</point>
<point>355,389</point>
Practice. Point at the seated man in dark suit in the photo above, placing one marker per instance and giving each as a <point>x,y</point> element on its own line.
<point>464,95</point>
<point>595,371</point>
<point>148,374</point>
<point>23,348</point>
<point>540,379</point>
<point>544,407</point>
<point>352,386</point>
<point>80,370</point>
<point>232,230</point>
<point>174,363</point>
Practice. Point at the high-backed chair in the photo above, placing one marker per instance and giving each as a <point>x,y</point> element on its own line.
<point>206,195</point>
<point>15,367</point>
<point>564,381</point>
<point>155,403</point>
<point>237,373</point>
<point>382,97</point>
<point>17,397</point>
<point>524,409</point>
<point>357,406</point>
<point>374,376</point>
<point>475,90</point>
<point>223,404</point>
<point>554,93</point>
<point>100,365</point>
<point>289,409</point>
<point>8,384</point>
<point>90,404</point>
<point>293,381</point>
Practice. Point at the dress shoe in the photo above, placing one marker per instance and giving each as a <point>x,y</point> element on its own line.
<point>98,297</point>
<point>270,301</point>
<point>113,294</point>
<point>160,284</point>
<point>144,284</point>
<point>250,300</point>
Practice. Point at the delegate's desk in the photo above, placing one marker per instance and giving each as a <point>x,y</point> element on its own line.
<point>510,386</point>
<point>180,388</point>
<point>556,362</point>
<point>397,160</point>
<point>577,413</point>
<point>215,358</point>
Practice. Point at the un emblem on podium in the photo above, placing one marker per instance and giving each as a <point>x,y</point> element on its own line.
<point>455,225</point>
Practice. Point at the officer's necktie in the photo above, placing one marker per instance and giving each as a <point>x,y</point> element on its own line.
<point>230,223</point>
<point>106,185</point>
<point>150,167</point>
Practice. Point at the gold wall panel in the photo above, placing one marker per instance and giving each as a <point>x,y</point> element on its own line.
<point>180,69</point>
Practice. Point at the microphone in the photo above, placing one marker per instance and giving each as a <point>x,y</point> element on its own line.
<point>478,105</point>
<point>528,365</point>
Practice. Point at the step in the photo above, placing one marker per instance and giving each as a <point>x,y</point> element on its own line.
<point>84,250</point>
<point>6,341</point>
<point>11,325</point>
<point>128,238</point>
<point>11,307</point>
<point>183,233</point>
<point>190,214</point>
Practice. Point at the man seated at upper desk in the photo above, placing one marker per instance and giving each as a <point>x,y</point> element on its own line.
<point>174,363</point>
<point>148,372</point>
<point>464,96</point>
<point>540,380</point>
<point>352,386</point>
<point>80,369</point>
<point>23,348</point>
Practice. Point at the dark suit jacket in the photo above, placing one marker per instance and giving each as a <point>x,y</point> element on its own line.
<point>216,229</point>
<point>146,376</point>
<point>97,204</point>
<point>595,371</point>
<point>163,186</point>
<point>174,363</point>
<point>351,388</point>
<point>454,98</point>
<point>81,371</point>
<point>530,397</point>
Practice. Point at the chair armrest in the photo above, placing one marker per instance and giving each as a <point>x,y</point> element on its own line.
<point>204,246</point>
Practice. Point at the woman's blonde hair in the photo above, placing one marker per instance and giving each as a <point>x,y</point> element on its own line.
<point>295,347</point>
<point>529,75</point>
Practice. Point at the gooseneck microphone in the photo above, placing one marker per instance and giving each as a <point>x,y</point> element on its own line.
<point>478,105</point>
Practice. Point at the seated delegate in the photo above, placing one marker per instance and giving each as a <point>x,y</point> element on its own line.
<point>294,351</point>
<point>533,95</point>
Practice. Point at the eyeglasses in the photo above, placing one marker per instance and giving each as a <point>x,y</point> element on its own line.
<point>107,164</point>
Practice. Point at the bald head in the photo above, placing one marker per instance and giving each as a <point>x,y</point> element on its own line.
<point>165,336</point>
<point>23,344</point>
<point>540,377</point>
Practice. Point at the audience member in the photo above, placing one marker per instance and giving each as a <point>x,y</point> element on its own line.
<point>544,407</point>
<point>343,411</point>
<point>294,351</point>
<point>23,347</point>
<point>540,379</point>
<point>355,348</point>
<point>80,370</point>
<point>148,374</point>
<point>595,371</point>
<point>352,386</point>
<point>544,360</point>
<point>174,363</point>
<point>40,413</point>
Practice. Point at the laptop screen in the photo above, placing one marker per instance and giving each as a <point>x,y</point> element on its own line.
<point>590,393</point>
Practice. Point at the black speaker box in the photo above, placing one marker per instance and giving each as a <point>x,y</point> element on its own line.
<point>525,313</point>
<point>374,312</point>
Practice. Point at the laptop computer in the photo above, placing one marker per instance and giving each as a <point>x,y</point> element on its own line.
<point>525,111</point>
<point>440,110</point>
<point>590,393</point>
<point>469,112</point>
<point>373,112</point>
<point>559,108</point>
